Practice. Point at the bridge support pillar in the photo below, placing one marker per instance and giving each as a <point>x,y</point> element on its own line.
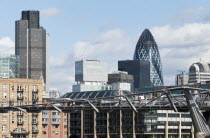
<point>180,125</point>
<point>121,136</point>
<point>134,128</point>
<point>94,124</point>
<point>82,123</point>
<point>107,126</point>
<point>192,131</point>
<point>166,126</point>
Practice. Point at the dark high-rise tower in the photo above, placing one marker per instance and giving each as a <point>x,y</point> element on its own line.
<point>32,17</point>
<point>147,50</point>
<point>31,46</point>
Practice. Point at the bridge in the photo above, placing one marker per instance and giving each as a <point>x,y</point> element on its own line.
<point>180,99</point>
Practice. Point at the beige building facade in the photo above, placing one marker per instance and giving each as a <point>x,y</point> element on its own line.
<point>18,124</point>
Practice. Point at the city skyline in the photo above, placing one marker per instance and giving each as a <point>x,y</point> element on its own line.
<point>182,28</point>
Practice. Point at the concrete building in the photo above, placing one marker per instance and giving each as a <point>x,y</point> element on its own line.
<point>120,80</point>
<point>54,123</point>
<point>17,124</point>
<point>90,75</point>
<point>9,66</point>
<point>54,93</point>
<point>181,79</point>
<point>31,46</point>
<point>199,73</point>
<point>119,76</point>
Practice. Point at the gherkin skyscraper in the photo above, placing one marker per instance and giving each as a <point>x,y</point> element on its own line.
<point>147,50</point>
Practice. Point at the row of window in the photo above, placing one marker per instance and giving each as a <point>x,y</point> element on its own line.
<point>53,120</point>
<point>54,126</point>
<point>19,87</point>
<point>54,133</point>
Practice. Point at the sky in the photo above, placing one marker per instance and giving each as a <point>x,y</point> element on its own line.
<point>109,30</point>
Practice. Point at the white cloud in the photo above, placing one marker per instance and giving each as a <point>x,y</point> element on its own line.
<point>181,46</point>
<point>6,45</point>
<point>50,12</point>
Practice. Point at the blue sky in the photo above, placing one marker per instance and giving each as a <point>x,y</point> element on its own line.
<point>73,25</point>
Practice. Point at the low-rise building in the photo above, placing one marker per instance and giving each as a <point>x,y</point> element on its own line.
<point>181,79</point>
<point>54,123</point>
<point>9,66</point>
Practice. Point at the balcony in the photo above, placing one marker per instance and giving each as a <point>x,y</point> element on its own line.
<point>56,122</point>
<point>56,116</point>
<point>35,91</point>
<point>35,122</point>
<point>45,122</point>
<point>20,97</point>
<point>20,123</point>
<point>19,90</point>
<point>35,98</point>
<point>35,131</point>
<point>19,131</point>
<point>20,113</point>
<point>34,114</point>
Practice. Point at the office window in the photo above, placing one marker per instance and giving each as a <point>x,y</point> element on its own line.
<point>19,88</point>
<point>4,95</point>
<point>4,128</point>
<point>13,95</point>
<point>13,120</point>
<point>4,87</point>
<point>4,119</point>
<point>65,133</point>
<point>13,87</point>
<point>55,132</point>
<point>4,103</point>
<point>65,120</point>
<point>26,88</point>
<point>44,132</point>
<point>55,126</point>
<point>34,88</point>
<point>65,126</point>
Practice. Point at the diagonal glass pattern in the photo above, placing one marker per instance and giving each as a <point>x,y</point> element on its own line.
<point>147,50</point>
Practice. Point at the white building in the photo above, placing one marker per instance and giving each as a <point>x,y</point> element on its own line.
<point>199,73</point>
<point>54,93</point>
<point>90,75</point>
<point>181,79</point>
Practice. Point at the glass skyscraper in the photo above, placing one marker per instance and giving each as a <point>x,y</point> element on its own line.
<point>147,50</point>
<point>9,66</point>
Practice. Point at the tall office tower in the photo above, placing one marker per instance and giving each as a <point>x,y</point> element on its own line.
<point>147,50</point>
<point>31,46</point>
<point>9,66</point>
